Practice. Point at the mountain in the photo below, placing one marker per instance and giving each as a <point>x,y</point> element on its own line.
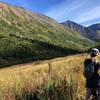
<point>74,26</point>
<point>95,27</point>
<point>92,32</point>
<point>26,36</point>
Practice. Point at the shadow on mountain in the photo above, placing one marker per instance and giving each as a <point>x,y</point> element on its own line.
<point>33,51</point>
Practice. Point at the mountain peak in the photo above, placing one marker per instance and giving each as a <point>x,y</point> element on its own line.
<point>75,27</point>
<point>69,21</point>
<point>95,27</point>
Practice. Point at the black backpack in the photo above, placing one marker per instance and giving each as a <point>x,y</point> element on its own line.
<point>88,68</point>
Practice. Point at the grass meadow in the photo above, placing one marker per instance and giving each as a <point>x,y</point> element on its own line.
<point>57,79</point>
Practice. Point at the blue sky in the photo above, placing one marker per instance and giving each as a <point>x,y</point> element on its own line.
<point>85,12</point>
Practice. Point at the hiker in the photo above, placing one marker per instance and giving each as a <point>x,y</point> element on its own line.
<point>92,75</point>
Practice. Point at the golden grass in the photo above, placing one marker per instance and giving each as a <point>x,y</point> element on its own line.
<point>32,75</point>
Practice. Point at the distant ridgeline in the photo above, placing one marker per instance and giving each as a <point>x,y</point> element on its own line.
<point>91,32</point>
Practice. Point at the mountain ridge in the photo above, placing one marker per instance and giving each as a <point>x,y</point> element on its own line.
<point>90,32</point>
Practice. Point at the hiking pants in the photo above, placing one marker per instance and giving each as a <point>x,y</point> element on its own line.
<point>94,92</point>
<point>91,92</point>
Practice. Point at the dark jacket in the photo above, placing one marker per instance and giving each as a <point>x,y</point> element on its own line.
<point>94,82</point>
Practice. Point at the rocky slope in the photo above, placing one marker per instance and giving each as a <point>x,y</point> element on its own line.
<point>92,32</point>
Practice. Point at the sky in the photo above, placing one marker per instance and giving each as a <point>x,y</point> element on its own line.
<point>85,12</point>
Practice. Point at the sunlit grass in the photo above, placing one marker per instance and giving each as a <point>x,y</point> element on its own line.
<point>44,80</point>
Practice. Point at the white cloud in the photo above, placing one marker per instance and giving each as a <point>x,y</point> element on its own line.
<point>89,15</point>
<point>80,11</point>
<point>61,10</point>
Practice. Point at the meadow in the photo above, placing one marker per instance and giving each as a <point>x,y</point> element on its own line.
<point>56,79</point>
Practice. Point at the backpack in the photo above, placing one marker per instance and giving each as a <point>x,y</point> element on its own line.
<point>88,68</point>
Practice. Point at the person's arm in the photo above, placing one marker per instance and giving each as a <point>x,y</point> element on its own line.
<point>98,63</point>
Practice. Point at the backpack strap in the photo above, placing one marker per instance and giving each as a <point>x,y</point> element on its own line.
<point>88,71</point>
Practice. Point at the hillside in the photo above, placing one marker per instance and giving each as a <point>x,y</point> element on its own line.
<point>27,36</point>
<point>91,32</point>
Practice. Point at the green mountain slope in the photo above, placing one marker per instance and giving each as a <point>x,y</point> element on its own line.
<point>27,36</point>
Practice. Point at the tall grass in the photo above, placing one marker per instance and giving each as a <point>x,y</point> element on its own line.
<point>59,79</point>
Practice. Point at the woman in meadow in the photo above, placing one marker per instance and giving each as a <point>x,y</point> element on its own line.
<point>92,75</point>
